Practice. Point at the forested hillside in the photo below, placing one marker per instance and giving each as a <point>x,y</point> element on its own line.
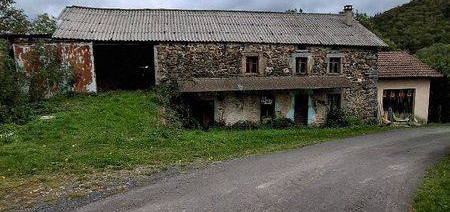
<point>416,25</point>
<point>421,27</point>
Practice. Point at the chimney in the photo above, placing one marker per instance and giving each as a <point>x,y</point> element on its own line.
<point>348,14</point>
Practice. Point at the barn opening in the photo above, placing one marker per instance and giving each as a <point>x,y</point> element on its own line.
<point>201,111</point>
<point>124,66</point>
<point>399,101</point>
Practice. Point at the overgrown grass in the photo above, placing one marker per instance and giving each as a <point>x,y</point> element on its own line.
<point>434,193</point>
<point>119,130</point>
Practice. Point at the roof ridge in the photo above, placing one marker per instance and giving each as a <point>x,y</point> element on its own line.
<point>198,10</point>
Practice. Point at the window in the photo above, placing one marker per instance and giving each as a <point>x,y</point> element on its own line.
<point>252,64</point>
<point>334,101</point>
<point>335,65</point>
<point>301,65</point>
<point>400,101</point>
<point>267,107</point>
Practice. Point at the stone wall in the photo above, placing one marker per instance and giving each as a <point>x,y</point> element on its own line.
<point>319,107</point>
<point>231,108</point>
<point>195,60</point>
<point>360,67</point>
<point>217,60</point>
<point>284,104</point>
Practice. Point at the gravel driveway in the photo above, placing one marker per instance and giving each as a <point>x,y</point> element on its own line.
<point>378,172</point>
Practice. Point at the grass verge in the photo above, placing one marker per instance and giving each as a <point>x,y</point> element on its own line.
<point>434,193</point>
<point>119,131</point>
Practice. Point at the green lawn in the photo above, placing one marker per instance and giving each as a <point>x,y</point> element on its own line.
<point>116,131</point>
<point>434,193</point>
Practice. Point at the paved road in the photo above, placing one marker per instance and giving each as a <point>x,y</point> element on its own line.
<point>368,173</point>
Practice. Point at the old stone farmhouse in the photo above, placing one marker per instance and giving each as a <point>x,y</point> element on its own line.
<point>238,65</point>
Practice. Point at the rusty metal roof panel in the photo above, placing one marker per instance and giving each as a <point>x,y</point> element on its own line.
<point>83,23</point>
<point>262,83</point>
<point>398,64</point>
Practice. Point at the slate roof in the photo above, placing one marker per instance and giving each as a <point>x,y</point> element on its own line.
<point>262,83</point>
<point>397,64</point>
<point>97,24</point>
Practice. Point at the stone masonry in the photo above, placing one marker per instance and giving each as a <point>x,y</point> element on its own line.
<point>175,61</point>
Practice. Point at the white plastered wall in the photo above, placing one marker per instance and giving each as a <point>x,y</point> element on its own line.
<point>421,98</point>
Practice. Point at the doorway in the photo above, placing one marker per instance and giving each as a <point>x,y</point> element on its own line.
<point>202,111</point>
<point>124,66</point>
<point>301,109</point>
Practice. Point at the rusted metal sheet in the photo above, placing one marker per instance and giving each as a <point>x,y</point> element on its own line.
<point>81,58</point>
<point>79,55</point>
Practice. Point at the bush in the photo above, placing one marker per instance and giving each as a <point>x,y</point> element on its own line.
<point>245,125</point>
<point>51,76</point>
<point>13,103</point>
<point>176,111</point>
<point>7,134</point>
<point>353,120</point>
<point>336,118</point>
<point>280,123</point>
<point>438,57</point>
<point>21,91</point>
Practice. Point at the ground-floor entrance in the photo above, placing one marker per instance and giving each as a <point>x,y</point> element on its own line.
<point>304,107</point>
<point>301,109</point>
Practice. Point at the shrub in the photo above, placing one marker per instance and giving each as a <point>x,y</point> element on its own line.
<point>279,123</point>
<point>7,134</point>
<point>21,91</point>
<point>176,111</point>
<point>220,124</point>
<point>353,120</point>
<point>13,102</point>
<point>245,125</point>
<point>438,57</point>
<point>51,75</point>
<point>336,118</point>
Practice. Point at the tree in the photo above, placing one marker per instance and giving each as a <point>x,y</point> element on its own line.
<point>367,22</point>
<point>438,57</point>
<point>12,20</point>
<point>293,11</point>
<point>44,24</point>
<point>417,24</point>
<point>13,103</point>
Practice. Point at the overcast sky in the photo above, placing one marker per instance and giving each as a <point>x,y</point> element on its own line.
<point>54,7</point>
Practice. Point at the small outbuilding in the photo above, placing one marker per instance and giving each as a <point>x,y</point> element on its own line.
<point>404,85</point>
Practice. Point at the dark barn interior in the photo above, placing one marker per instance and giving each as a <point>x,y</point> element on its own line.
<point>201,111</point>
<point>124,66</point>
